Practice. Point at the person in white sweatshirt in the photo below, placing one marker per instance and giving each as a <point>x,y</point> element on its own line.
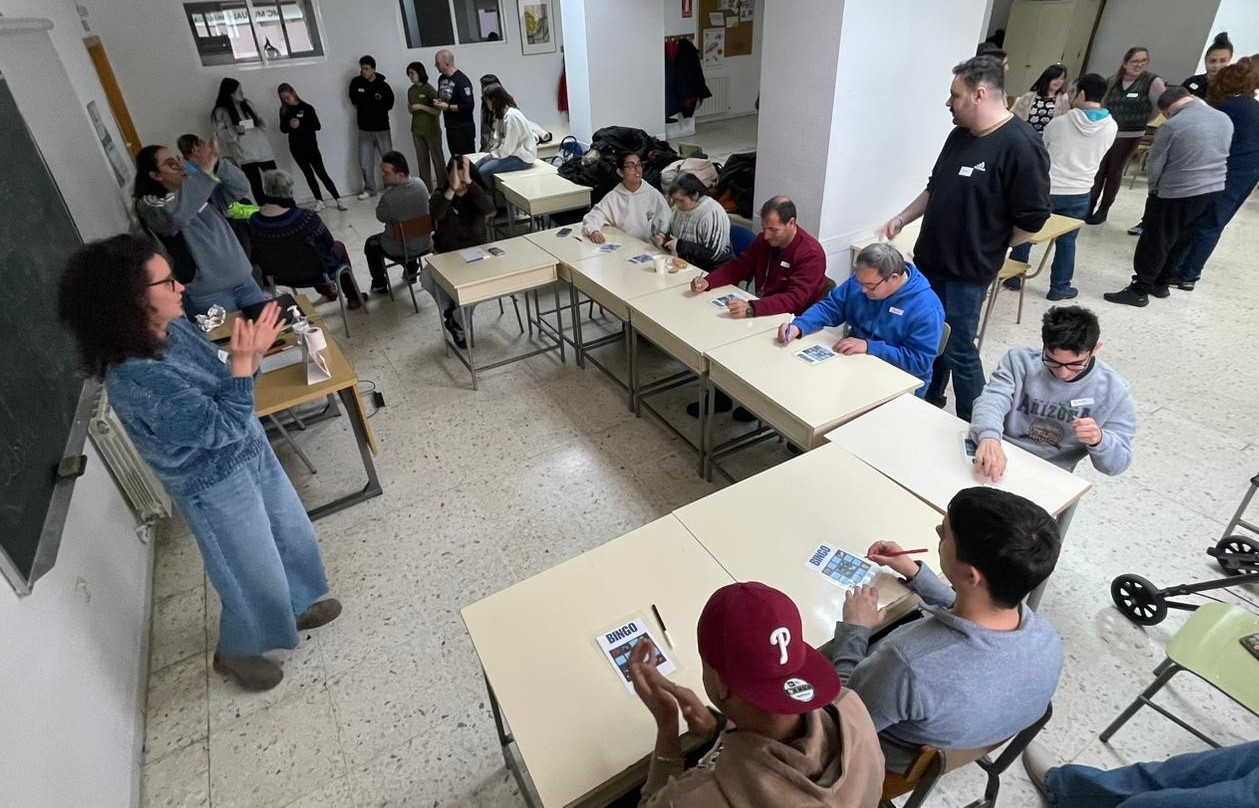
<point>1077,142</point>
<point>634,206</point>
<point>513,147</point>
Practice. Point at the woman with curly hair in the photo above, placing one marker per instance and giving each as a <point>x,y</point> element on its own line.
<point>191,417</point>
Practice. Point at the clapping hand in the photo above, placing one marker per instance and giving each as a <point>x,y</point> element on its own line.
<point>250,340</point>
<point>665,698</point>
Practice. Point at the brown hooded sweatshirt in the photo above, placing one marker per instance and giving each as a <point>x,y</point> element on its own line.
<point>828,767</point>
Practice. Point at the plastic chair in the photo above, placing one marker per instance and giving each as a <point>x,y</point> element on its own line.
<point>298,265</point>
<point>932,764</point>
<point>1010,269</point>
<point>740,239</point>
<point>402,232</point>
<point>1206,646</point>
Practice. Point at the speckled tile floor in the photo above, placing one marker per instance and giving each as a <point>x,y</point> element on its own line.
<point>386,706</point>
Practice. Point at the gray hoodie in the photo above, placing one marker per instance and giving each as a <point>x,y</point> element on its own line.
<point>945,681</point>
<point>1030,407</point>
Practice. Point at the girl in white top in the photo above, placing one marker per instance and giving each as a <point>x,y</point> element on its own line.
<point>241,132</point>
<point>633,205</point>
<point>514,147</point>
<point>1047,99</point>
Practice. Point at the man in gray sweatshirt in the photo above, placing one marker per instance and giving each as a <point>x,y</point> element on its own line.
<point>1187,166</point>
<point>981,665</point>
<point>1059,401</point>
<point>405,198</point>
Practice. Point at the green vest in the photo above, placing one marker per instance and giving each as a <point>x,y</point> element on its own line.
<point>1130,108</point>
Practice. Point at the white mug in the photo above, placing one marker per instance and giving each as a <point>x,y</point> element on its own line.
<point>662,263</point>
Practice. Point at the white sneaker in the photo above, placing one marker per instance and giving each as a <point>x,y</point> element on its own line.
<point>319,205</point>
<point>365,194</point>
<point>1038,760</point>
<point>340,204</point>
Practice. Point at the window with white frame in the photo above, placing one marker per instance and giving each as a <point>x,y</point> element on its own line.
<point>434,23</point>
<point>254,31</point>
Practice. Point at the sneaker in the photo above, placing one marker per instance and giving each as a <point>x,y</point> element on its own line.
<point>1185,286</point>
<point>745,416</point>
<point>251,673</point>
<point>381,290</point>
<point>1161,292</point>
<point>365,194</point>
<point>1096,218</point>
<point>456,333</point>
<point>1013,284</point>
<point>340,204</point>
<point>320,613</point>
<point>319,205</point>
<point>723,403</point>
<point>1069,293</point>
<point>1128,297</point>
<point>354,302</point>
<point>1037,760</point>
<point>1136,229</point>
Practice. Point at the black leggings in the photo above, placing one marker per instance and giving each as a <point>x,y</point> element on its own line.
<point>311,163</point>
<point>253,172</point>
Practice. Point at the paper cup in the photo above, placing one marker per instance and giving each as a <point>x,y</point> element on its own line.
<point>662,263</point>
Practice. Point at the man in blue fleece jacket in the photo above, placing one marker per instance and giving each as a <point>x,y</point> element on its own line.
<point>891,311</point>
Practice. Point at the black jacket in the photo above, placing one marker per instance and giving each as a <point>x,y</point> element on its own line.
<point>373,100</point>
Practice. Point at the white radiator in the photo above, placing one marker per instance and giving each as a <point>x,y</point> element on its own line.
<point>719,102</point>
<point>144,493</point>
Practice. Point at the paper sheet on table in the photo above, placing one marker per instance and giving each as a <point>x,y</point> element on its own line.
<point>842,568</point>
<point>723,301</point>
<point>617,642</point>
<point>472,254</point>
<point>816,353</point>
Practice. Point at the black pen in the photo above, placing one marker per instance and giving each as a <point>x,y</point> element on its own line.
<point>663,627</point>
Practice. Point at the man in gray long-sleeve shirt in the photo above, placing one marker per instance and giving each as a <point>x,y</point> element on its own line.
<point>405,198</point>
<point>981,666</point>
<point>1059,402</point>
<point>1187,166</point>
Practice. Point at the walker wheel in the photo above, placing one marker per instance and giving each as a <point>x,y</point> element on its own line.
<point>1138,599</point>
<point>1234,546</point>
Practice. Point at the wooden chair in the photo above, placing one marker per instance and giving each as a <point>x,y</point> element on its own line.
<point>1010,269</point>
<point>1142,152</point>
<point>932,764</point>
<point>1206,646</point>
<point>402,232</point>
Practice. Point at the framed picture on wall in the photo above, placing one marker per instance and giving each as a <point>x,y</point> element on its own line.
<point>536,20</point>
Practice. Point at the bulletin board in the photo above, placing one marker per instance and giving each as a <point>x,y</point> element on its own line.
<point>737,16</point>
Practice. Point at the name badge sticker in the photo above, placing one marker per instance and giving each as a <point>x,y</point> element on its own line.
<point>965,171</point>
<point>1134,95</point>
<point>895,311</point>
<point>784,265</point>
<point>1081,402</point>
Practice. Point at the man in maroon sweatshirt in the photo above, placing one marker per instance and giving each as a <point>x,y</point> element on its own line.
<point>786,265</point>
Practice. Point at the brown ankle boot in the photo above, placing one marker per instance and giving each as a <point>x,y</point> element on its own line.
<point>319,614</point>
<point>251,673</point>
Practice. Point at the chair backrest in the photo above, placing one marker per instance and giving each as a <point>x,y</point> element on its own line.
<point>412,228</point>
<point>740,239</point>
<point>944,339</point>
<point>295,264</point>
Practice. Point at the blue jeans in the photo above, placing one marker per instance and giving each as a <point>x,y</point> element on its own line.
<point>490,165</point>
<point>260,552</point>
<point>1210,225</point>
<point>963,304</point>
<point>1062,270</point>
<point>234,299</point>
<point>1217,778</point>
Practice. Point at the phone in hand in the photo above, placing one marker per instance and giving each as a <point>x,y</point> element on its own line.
<point>969,447</point>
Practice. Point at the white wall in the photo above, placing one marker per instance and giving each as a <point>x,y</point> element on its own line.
<point>618,48</point>
<point>1241,19</point>
<point>74,653</point>
<point>1173,30</point>
<point>744,72</point>
<point>169,92</point>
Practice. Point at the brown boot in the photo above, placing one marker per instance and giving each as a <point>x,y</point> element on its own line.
<point>319,614</point>
<point>251,673</point>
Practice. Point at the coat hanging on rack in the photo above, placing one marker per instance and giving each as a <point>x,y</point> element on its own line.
<point>683,77</point>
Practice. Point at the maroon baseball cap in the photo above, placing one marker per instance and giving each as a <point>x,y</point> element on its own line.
<point>750,634</point>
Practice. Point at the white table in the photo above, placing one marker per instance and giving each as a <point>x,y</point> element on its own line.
<point>799,400</point>
<point>522,267</point>
<point>920,447</point>
<point>572,722</point>
<point>538,195</point>
<point>764,529</point>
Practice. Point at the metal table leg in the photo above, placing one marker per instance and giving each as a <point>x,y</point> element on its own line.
<point>349,400</point>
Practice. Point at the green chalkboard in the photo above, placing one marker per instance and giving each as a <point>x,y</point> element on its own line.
<point>42,388</point>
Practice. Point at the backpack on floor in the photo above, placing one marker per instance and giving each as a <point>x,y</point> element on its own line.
<point>704,170</point>
<point>737,183</point>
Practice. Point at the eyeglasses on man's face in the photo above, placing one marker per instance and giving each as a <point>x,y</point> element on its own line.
<point>1074,367</point>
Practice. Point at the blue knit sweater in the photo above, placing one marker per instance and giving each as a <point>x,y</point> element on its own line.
<point>903,330</point>
<point>189,418</point>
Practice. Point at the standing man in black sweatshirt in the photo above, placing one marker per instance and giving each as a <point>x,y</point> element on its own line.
<point>457,103</point>
<point>372,98</point>
<point>988,190</point>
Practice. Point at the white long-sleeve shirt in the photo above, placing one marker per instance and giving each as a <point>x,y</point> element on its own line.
<point>513,137</point>
<point>639,213</point>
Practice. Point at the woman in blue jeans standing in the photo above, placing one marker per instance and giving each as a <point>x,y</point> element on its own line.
<point>191,417</point>
<point>1233,93</point>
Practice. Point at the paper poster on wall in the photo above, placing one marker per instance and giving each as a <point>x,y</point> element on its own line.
<point>745,10</point>
<point>715,19</point>
<point>714,45</point>
<point>688,7</point>
<point>122,170</point>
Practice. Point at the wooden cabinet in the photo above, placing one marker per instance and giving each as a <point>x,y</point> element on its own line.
<point>1042,32</point>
